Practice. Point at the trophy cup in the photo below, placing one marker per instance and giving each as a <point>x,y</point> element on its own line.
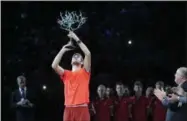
<point>71,21</point>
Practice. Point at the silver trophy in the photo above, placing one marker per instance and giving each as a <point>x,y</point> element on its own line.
<point>71,21</point>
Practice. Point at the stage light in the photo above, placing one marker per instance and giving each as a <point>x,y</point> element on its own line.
<point>44,87</point>
<point>129,42</point>
<point>23,15</point>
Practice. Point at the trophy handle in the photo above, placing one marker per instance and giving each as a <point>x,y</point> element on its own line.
<point>71,40</point>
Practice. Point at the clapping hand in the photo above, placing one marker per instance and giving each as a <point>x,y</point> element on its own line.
<point>173,98</point>
<point>21,102</point>
<point>160,94</point>
<point>25,103</point>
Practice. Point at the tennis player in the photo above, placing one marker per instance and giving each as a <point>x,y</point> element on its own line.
<point>76,81</point>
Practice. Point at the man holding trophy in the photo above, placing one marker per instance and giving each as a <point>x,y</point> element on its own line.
<point>76,81</point>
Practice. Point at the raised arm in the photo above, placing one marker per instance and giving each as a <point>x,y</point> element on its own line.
<point>55,65</point>
<point>87,59</point>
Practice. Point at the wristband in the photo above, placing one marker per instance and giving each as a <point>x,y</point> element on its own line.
<point>79,41</point>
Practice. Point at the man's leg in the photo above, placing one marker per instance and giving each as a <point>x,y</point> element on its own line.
<point>68,115</point>
<point>81,114</point>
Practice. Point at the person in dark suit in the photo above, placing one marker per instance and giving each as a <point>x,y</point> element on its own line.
<point>177,101</point>
<point>22,101</point>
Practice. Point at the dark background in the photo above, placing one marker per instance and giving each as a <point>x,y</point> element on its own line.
<point>31,38</point>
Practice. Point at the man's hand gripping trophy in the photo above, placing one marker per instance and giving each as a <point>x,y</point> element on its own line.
<point>71,22</point>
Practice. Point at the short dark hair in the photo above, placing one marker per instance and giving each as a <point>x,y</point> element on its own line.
<point>109,87</point>
<point>138,83</point>
<point>160,83</point>
<point>125,86</point>
<point>21,77</point>
<point>119,83</point>
<point>149,88</point>
<point>102,85</point>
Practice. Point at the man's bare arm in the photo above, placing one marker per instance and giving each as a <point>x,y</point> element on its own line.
<point>87,59</point>
<point>55,65</point>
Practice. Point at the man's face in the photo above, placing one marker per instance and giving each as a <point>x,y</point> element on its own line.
<point>174,89</point>
<point>126,91</point>
<point>77,59</point>
<point>137,88</point>
<point>149,91</point>
<point>108,91</point>
<point>120,90</point>
<point>21,82</point>
<point>158,86</point>
<point>101,91</point>
<point>178,77</point>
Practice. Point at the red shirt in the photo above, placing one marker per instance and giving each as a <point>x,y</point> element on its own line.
<point>121,109</point>
<point>76,86</point>
<point>150,99</point>
<point>159,111</point>
<point>139,108</point>
<point>103,109</point>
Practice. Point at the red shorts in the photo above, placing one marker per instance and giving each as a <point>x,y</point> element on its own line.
<point>76,114</point>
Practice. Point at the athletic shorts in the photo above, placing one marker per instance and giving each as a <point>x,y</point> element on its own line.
<point>76,114</point>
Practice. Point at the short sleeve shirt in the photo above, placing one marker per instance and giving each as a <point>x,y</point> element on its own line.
<point>76,86</point>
